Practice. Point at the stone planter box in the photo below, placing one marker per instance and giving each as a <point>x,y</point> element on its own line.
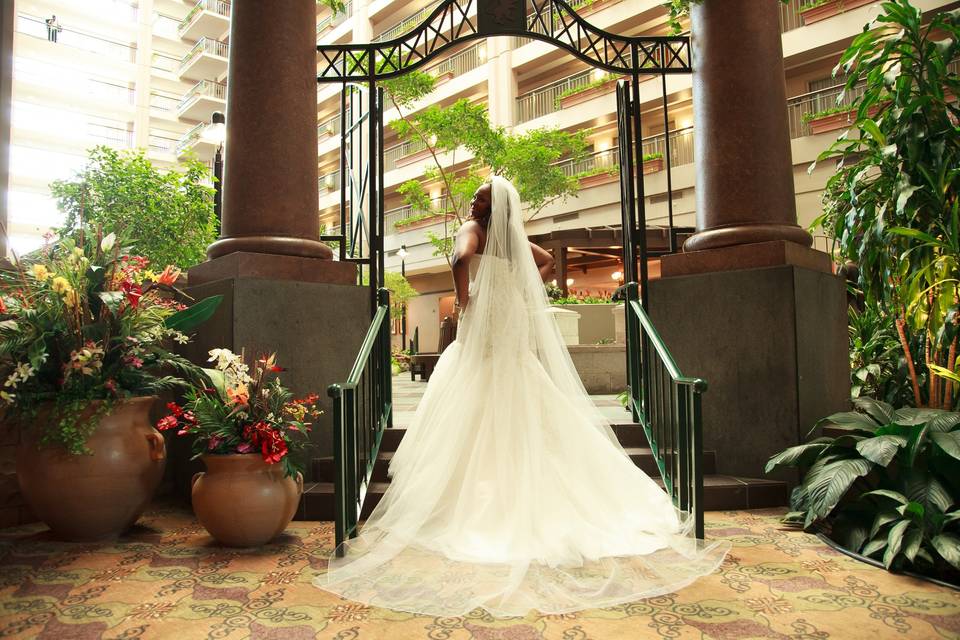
<point>443,78</point>
<point>830,9</point>
<point>588,94</point>
<point>426,222</point>
<point>569,323</point>
<point>598,179</point>
<point>652,166</point>
<point>602,367</point>
<point>836,121</point>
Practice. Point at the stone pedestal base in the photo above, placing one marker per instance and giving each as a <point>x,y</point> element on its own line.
<point>315,328</point>
<point>770,342</point>
<point>602,368</point>
<point>244,264</point>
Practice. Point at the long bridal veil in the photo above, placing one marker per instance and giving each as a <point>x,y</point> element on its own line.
<point>509,490</point>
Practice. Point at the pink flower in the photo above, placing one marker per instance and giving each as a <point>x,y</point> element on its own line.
<point>168,422</point>
<point>244,447</point>
<point>215,442</point>
<point>134,362</point>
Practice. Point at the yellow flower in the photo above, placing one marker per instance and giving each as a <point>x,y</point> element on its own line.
<point>71,298</point>
<point>60,285</point>
<point>40,272</point>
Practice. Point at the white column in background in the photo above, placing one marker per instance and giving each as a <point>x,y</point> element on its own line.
<point>501,82</point>
<point>144,62</point>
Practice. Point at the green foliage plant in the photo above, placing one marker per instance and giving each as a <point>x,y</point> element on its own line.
<point>892,207</point>
<point>887,485</point>
<point>593,84</point>
<point>88,321</point>
<point>679,10</point>
<point>168,214</point>
<point>877,367</point>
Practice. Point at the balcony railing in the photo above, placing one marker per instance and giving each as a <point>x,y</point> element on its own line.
<point>330,126</point>
<point>166,26</point>
<point>106,133</point>
<point>208,46</point>
<point>329,182</point>
<point>681,153</point>
<point>342,17</point>
<point>462,62</point>
<point>681,146</point>
<point>165,62</point>
<point>190,137</point>
<point>162,144</point>
<point>219,7</point>
<point>790,17</point>
<point>323,24</point>
<point>204,88</point>
<point>815,102</point>
<point>392,155</point>
<point>407,24</point>
<point>392,216</point>
<point>535,26</point>
<point>163,101</point>
<point>543,100</point>
<point>34,26</point>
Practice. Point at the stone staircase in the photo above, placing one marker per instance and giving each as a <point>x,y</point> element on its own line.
<point>720,492</point>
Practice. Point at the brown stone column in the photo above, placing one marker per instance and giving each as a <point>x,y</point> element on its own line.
<point>745,191</point>
<point>270,177</point>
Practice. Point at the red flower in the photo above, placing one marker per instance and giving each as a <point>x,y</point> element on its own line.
<point>310,399</point>
<point>168,276</point>
<point>132,291</point>
<point>167,422</point>
<point>273,448</point>
<point>175,409</point>
<point>134,362</point>
<point>244,447</point>
<point>189,417</point>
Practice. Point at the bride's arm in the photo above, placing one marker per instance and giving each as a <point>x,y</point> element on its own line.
<point>467,242</point>
<point>544,261</point>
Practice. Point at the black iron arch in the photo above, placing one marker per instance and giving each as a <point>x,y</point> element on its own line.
<point>552,21</point>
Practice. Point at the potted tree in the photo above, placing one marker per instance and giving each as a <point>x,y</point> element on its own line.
<point>83,335</point>
<point>248,431</point>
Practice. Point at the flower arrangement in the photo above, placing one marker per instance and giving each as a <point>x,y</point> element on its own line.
<point>88,321</point>
<point>245,414</point>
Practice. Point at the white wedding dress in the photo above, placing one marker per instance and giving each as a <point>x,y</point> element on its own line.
<point>509,490</point>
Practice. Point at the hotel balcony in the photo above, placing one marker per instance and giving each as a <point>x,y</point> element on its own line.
<point>202,100</point>
<point>207,59</point>
<point>208,18</point>
<point>195,140</point>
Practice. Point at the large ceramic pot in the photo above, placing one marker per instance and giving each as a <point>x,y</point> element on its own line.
<point>98,496</point>
<point>242,501</point>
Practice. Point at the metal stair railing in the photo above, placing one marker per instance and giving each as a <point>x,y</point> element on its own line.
<point>667,405</point>
<point>362,409</point>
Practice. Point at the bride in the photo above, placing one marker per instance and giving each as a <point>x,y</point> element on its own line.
<point>509,490</point>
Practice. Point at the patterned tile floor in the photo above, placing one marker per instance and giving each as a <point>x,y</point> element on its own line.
<point>167,579</point>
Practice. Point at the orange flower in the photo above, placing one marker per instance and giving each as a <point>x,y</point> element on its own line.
<point>240,395</point>
<point>168,276</point>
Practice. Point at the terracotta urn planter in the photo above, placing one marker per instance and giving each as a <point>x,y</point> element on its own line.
<point>98,496</point>
<point>831,8</point>
<point>242,501</point>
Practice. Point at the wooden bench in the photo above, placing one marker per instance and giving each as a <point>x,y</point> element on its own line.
<point>424,363</point>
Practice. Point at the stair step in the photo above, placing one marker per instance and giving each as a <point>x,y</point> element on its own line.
<point>323,470</point>
<point>720,493</point>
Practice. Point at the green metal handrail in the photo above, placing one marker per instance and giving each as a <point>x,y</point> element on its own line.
<point>667,405</point>
<point>362,409</point>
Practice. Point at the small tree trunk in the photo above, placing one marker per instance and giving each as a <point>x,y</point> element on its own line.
<point>951,363</point>
<point>910,367</point>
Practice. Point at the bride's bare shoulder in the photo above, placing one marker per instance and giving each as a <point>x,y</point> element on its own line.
<point>471,227</point>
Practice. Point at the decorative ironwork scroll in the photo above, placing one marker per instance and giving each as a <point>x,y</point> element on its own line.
<point>456,21</point>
